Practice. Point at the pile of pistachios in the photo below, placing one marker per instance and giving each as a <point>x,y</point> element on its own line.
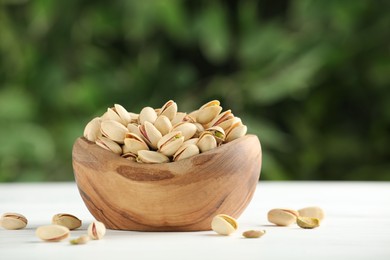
<point>160,135</point>
<point>60,227</point>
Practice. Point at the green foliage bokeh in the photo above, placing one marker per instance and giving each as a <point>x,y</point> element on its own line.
<point>310,78</point>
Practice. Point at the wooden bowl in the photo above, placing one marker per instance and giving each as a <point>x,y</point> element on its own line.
<point>176,196</point>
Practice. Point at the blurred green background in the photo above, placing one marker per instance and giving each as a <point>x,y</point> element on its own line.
<point>310,78</point>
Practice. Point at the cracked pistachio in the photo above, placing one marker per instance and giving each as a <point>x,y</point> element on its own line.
<point>92,129</point>
<point>96,230</point>
<point>307,222</point>
<point>169,109</point>
<point>312,212</point>
<point>170,143</point>
<point>145,156</point>
<point>208,112</point>
<point>163,124</point>
<point>218,133</point>
<point>206,142</point>
<point>179,117</point>
<point>187,129</point>
<point>147,114</point>
<point>236,131</point>
<point>114,130</point>
<point>150,134</point>
<point>221,118</point>
<point>52,233</point>
<point>224,224</point>
<point>108,144</point>
<point>282,217</point>
<point>133,143</point>
<point>66,220</point>
<point>13,221</point>
<point>186,151</point>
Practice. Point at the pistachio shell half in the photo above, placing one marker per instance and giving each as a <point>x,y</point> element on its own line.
<point>224,116</point>
<point>208,112</point>
<point>92,129</point>
<point>206,142</point>
<point>108,144</point>
<point>52,233</point>
<point>114,130</point>
<point>150,134</point>
<point>66,220</point>
<point>145,156</point>
<point>133,143</point>
<point>96,230</point>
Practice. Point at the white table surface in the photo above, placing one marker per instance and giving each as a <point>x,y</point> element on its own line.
<point>356,226</point>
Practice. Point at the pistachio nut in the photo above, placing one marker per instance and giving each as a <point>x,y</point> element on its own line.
<point>92,129</point>
<point>111,114</point>
<point>52,233</point>
<point>150,134</point>
<point>133,143</point>
<point>236,131</point>
<point>147,114</point>
<point>169,109</point>
<point>163,124</point>
<point>81,240</point>
<point>114,130</point>
<point>13,221</point>
<point>221,118</point>
<point>122,113</point>
<point>186,151</point>
<point>208,112</point>
<point>206,142</point>
<point>96,230</point>
<point>224,224</point>
<point>170,143</point>
<point>134,129</point>
<point>130,156</point>
<point>145,156</point>
<point>66,220</point>
<point>187,129</point>
<point>108,144</point>
<point>312,212</point>
<point>218,133</point>
<point>253,233</point>
<point>179,117</point>
<point>282,217</point>
<point>308,222</point>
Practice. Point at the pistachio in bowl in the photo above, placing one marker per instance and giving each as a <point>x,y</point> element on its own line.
<point>164,170</point>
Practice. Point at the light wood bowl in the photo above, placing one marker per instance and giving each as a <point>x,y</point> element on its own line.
<point>176,196</point>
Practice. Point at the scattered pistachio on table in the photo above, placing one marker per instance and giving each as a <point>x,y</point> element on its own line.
<point>224,224</point>
<point>80,240</point>
<point>162,135</point>
<point>13,221</point>
<point>313,212</point>
<point>96,230</point>
<point>66,220</point>
<point>282,217</point>
<point>308,222</point>
<point>253,233</point>
<point>52,233</point>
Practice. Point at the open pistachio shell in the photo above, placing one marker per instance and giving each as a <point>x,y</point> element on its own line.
<point>179,117</point>
<point>188,129</point>
<point>114,130</point>
<point>236,132</point>
<point>133,128</point>
<point>170,143</point>
<point>206,142</point>
<point>218,133</point>
<point>133,143</point>
<point>163,124</point>
<point>92,129</point>
<point>147,114</point>
<point>150,134</point>
<point>130,156</point>
<point>108,144</point>
<point>186,151</point>
<point>122,113</point>
<point>221,118</point>
<point>145,156</point>
<point>224,224</point>
<point>169,109</point>
<point>208,112</point>
<point>111,114</point>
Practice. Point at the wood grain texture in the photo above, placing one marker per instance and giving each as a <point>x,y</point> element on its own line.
<point>176,196</point>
